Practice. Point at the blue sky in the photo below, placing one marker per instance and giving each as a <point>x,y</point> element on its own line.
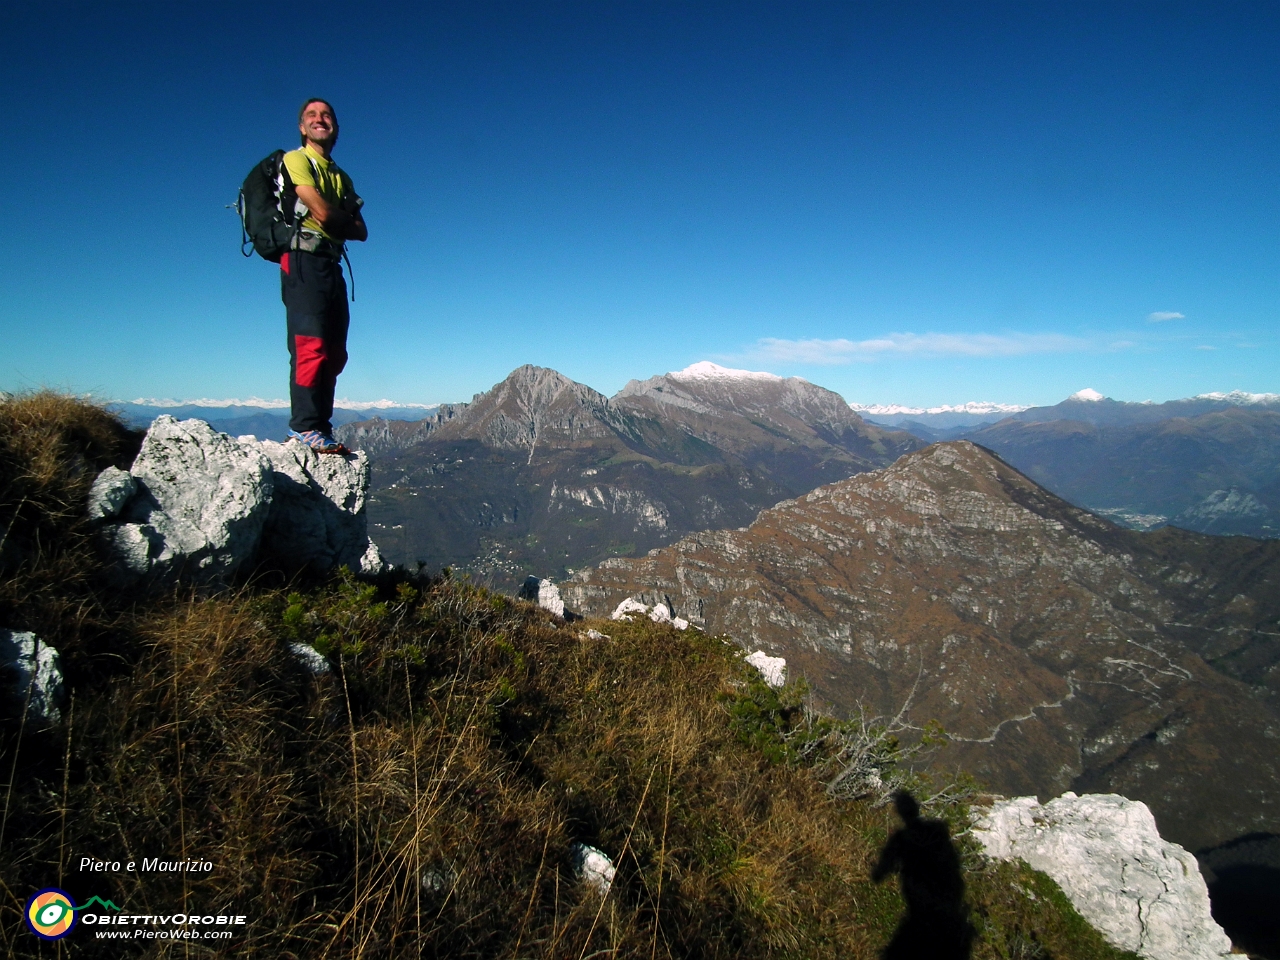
<point>920,203</point>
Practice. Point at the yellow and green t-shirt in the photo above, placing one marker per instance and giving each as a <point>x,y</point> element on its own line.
<point>333,185</point>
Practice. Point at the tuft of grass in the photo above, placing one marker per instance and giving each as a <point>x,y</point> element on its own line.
<point>52,447</point>
<point>425,796</point>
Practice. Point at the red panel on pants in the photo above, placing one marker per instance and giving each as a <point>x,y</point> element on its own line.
<point>311,356</point>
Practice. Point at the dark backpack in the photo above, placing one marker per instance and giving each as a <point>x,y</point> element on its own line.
<point>267,206</point>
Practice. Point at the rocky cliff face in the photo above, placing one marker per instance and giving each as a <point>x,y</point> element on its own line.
<point>1042,637</point>
<point>542,475</point>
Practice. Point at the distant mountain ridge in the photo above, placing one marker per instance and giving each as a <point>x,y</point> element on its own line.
<point>541,474</point>
<point>930,421</point>
<point>1087,405</point>
<point>1209,463</point>
<point>264,419</point>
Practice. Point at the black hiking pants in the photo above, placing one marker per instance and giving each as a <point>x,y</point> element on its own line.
<point>316,314</point>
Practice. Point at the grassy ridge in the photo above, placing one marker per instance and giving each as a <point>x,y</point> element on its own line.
<point>423,797</point>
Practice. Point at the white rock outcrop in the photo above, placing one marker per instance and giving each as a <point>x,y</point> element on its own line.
<point>199,504</point>
<point>33,669</point>
<point>627,607</point>
<point>544,593</point>
<point>593,867</point>
<point>110,492</point>
<point>317,515</point>
<point>772,669</point>
<point>1141,892</point>
<point>660,613</point>
<point>311,658</point>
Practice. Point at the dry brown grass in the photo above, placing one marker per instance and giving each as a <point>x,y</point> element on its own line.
<point>422,799</point>
<point>51,448</point>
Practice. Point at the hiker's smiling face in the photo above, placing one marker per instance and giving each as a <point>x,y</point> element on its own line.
<point>318,124</point>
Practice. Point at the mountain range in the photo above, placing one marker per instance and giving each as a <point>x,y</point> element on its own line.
<point>1206,463</point>
<point>1085,406</point>
<point>1059,650</point>
<point>264,419</point>
<point>542,474</point>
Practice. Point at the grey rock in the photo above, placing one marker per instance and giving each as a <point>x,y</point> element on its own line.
<point>593,867</point>
<point>202,505</point>
<point>438,879</point>
<point>544,593</point>
<point>626,608</point>
<point>110,492</point>
<point>373,562</point>
<point>1141,892</point>
<point>310,658</point>
<point>36,668</point>
<point>317,515</point>
<point>773,670</point>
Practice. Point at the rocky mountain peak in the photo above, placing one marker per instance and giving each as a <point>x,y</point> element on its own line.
<point>1048,642</point>
<point>532,403</point>
<point>714,391</point>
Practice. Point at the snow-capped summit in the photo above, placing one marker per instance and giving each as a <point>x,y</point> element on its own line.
<point>975,407</point>
<point>208,402</point>
<point>1241,398</point>
<point>706,370</point>
<point>1087,395</point>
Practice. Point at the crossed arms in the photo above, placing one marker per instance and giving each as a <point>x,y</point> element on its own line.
<point>336,221</point>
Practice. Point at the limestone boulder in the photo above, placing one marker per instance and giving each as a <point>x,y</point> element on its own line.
<point>773,670</point>
<point>660,613</point>
<point>200,506</point>
<point>317,516</point>
<point>593,867</point>
<point>110,492</point>
<point>34,674</point>
<point>1141,892</point>
<point>544,593</point>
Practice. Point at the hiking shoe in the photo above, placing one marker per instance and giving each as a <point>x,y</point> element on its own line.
<point>318,441</point>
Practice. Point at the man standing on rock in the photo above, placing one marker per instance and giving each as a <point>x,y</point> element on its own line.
<point>311,281</point>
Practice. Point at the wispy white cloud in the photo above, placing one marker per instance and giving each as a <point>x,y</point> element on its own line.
<point>1205,346</point>
<point>1160,316</point>
<point>841,351</point>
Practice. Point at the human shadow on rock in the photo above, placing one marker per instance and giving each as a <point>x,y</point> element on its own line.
<point>936,923</point>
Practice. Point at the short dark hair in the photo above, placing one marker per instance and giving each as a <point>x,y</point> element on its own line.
<point>308,102</point>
